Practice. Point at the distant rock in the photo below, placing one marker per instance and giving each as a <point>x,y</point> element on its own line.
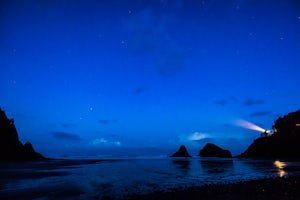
<point>211,150</point>
<point>182,152</point>
<point>283,143</point>
<point>11,149</point>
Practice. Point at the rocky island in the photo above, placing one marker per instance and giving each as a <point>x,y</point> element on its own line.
<point>181,152</point>
<point>211,150</point>
<point>11,149</point>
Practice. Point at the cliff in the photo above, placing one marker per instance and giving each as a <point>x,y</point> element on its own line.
<point>283,143</point>
<point>11,149</point>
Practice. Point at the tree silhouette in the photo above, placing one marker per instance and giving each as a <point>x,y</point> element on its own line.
<point>288,125</point>
<point>284,143</point>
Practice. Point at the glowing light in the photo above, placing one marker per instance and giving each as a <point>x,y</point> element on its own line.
<point>297,124</point>
<point>280,166</point>
<point>249,125</point>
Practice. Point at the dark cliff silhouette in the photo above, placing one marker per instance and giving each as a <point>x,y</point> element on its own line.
<point>182,152</point>
<point>211,150</point>
<point>283,143</point>
<point>11,149</point>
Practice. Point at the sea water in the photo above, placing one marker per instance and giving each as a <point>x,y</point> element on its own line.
<point>121,176</point>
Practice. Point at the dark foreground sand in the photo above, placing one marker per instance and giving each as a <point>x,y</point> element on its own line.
<point>270,188</point>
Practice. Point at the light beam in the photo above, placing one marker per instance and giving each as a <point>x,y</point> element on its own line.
<point>249,125</point>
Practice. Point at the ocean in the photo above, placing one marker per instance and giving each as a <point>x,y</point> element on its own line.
<point>117,177</point>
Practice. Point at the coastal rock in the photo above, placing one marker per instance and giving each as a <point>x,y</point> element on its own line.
<point>11,149</point>
<point>211,150</point>
<point>182,152</point>
<point>283,143</point>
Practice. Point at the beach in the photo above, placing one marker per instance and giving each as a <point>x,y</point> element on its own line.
<point>150,178</point>
<point>269,188</point>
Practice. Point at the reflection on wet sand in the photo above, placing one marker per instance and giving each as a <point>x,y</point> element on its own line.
<point>261,166</point>
<point>280,166</point>
<point>182,164</point>
<point>216,166</point>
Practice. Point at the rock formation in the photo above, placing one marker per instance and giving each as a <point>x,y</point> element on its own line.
<point>283,143</point>
<point>182,152</point>
<point>11,149</point>
<point>211,150</point>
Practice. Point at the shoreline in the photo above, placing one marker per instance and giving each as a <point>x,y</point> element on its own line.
<point>281,188</point>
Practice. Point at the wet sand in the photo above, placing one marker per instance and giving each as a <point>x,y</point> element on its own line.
<point>269,188</point>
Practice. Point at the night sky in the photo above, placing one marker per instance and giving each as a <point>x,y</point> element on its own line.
<point>118,76</point>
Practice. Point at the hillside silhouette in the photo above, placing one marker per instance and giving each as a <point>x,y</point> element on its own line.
<point>11,149</point>
<point>283,143</point>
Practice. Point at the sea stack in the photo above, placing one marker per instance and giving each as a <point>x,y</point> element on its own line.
<point>182,152</point>
<point>211,150</point>
<point>11,149</point>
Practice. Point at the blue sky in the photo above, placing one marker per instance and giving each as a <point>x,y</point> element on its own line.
<point>104,77</point>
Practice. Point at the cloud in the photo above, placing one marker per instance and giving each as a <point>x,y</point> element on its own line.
<point>99,141</point>
<point>65,136</point>
<point>260,113</point>
<point>225,101</point>
<point>107,121</point>
<point>105,142</point>
<point>196,136</point>
<point>251,102</point>
<point>112,136</point>
<point>222,102</point>
<point>140,90</point>
<point>233,99</point>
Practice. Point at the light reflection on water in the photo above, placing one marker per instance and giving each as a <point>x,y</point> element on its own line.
<point>280,167</point>
<point>122,176</point>
<point>215,166</point>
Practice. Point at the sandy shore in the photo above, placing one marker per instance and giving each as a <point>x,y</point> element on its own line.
<point>270,188</point>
